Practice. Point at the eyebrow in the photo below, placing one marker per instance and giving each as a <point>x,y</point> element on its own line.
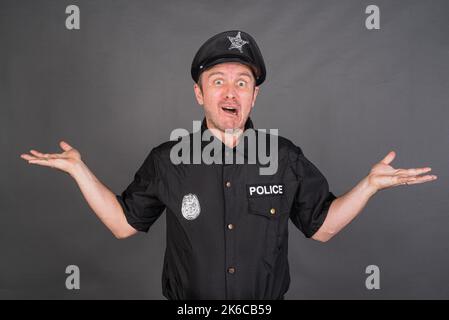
<point>221,73</point>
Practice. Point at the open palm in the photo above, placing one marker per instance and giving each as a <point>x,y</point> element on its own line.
<point>383,175</point>
<point>64,161</point>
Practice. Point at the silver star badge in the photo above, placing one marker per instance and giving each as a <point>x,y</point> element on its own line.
<point>237,42</point>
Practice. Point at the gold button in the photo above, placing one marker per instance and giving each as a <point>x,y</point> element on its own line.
<point>231,270</point>
<point>273,211</point>
<point>230,226</point>
<point>228,184</point>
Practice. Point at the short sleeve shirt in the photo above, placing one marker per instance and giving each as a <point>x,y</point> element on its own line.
<point>227,225</point>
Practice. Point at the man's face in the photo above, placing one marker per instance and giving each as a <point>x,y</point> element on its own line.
<point>228,94</point>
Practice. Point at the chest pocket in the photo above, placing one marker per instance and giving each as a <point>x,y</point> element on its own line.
<point>269,207</point>
<point>270,213</point>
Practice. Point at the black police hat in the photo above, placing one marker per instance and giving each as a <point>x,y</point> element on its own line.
<point>229,46</point>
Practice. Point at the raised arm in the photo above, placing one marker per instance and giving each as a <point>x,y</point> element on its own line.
<point>382,176</point>
<point>102,201</point>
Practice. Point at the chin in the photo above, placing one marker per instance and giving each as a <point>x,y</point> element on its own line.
<point>228,125</point>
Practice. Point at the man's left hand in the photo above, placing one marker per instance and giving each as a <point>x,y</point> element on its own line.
<point>383,176</point>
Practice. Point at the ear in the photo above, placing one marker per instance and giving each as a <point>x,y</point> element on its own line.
<point>256,92</point>
<point>198,94</point>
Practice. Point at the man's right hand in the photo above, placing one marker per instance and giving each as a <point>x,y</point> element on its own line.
<point>65,161</point>
<point>102,200</point>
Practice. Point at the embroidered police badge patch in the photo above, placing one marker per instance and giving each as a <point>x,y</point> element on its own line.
<point>190,207</point>
<point>237,42</point>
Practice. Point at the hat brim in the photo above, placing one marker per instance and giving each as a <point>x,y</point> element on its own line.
<point>253,68</point>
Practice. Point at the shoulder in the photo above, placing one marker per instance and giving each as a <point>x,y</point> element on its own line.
<point>162,151</point>
<point>288,150</point>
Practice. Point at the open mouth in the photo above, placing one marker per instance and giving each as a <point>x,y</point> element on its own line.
<point>230,110</point>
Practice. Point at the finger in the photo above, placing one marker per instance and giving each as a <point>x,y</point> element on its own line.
<point>65,146</point>
<point>42,162</point>
<point>40,155</point>
<point>36,153</point>
<point>27,157</point>
<point>422,179</point>
<point>389,158</point>
<point>413,171</point>
<point>400,180</point>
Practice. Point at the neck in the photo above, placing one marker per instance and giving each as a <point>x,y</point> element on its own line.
<point>229,137</point>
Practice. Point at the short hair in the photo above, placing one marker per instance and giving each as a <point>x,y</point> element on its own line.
<point>199,83</point>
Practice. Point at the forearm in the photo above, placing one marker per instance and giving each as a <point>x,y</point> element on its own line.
<point>344,209</point>
<point>102,201</point>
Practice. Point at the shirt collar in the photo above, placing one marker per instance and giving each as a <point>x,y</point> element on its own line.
<point>248,125</point>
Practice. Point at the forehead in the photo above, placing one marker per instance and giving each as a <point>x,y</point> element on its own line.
<point>229,68</point>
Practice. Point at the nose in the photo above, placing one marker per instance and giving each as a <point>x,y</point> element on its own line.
<point>230,92</point>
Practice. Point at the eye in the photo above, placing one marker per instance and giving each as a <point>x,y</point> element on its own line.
<point>241,83</point>
<point>218,82</point>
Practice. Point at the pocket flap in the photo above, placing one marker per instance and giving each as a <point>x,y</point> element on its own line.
<point>269,207</point>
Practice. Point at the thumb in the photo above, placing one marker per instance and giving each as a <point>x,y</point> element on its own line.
<point>389,158</point>
<point>65,146</point>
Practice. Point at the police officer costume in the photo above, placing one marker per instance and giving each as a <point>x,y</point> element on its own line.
<point>227,225</point>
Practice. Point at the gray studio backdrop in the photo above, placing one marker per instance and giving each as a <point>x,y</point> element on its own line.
<point>120,84</point>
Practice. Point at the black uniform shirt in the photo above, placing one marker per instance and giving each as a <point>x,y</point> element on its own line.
<point>224,239</point>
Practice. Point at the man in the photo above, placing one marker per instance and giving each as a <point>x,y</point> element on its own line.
<point>227,224</point>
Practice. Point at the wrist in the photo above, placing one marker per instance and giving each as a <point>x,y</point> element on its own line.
<point>368,187</point>
<point>77,169</point>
